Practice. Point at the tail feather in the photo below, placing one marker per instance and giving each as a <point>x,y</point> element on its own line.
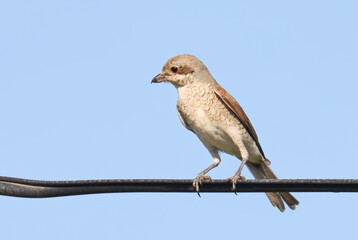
<point>290,200</point>
<point>276,200</point>
<point>263,171</point>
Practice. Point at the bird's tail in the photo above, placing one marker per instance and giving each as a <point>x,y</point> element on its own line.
<point>263,171</point>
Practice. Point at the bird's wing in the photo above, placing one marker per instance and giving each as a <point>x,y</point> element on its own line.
<point>183,120</point>
<point>237,110</point>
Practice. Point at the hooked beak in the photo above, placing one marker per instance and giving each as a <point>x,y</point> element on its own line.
<point>159,78</point>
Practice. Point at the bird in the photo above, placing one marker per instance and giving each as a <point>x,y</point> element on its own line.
<point>220,123</point>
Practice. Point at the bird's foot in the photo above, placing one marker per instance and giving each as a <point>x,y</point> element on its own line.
<point>235,179</point>
<point>199,181</point>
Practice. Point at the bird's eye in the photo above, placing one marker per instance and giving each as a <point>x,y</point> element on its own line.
<point>174,69</point>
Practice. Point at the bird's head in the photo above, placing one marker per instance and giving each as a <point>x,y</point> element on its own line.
<point>182,70</point>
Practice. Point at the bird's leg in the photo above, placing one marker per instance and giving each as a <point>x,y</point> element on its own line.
<point>201,176</point>
<point>245,158</point>
<point>237,175</point>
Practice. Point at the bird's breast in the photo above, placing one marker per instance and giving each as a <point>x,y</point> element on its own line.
<point>203,113</point>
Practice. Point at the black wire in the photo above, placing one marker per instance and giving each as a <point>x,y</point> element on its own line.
<point>19,187</point>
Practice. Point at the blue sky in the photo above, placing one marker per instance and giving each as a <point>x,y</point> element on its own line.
<point>76,103</point>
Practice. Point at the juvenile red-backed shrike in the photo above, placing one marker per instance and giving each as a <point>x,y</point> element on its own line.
<point>220,123</point>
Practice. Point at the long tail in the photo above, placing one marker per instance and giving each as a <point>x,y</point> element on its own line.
<point>263,171</point>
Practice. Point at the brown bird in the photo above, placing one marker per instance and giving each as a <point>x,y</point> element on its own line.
<point>220,123</point>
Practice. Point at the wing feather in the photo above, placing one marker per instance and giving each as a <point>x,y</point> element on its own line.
<point>237,110</point>
<point>183,120</point>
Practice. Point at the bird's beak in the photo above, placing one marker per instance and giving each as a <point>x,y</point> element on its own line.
<point>159,78</point>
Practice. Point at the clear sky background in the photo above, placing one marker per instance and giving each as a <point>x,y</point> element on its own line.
<point>76,103</point>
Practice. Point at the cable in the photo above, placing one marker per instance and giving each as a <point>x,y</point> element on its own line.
<point>18,187</point>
